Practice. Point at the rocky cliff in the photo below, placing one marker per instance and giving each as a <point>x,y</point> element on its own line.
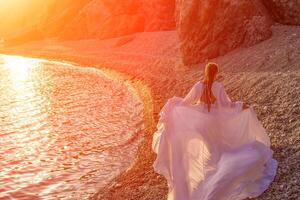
<point>284,11</point>
<point>112,18</point>
<point>212,28</point>
<point>81,19</point>
<point>206,29</point>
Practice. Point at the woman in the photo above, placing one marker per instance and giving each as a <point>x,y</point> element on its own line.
<point>210,148</point>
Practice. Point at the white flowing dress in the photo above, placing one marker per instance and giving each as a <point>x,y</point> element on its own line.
<point>223,154</point>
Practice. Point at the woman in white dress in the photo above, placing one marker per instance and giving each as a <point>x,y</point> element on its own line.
<point>210,148</point>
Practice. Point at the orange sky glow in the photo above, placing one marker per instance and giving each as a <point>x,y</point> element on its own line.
<point>16,14</point>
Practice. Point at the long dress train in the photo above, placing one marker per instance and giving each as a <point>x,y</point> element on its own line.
<point>223,154</point>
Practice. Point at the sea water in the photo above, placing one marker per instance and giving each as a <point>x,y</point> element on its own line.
<point>65,131</point>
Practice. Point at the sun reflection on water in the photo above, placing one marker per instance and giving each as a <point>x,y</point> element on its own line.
<point>19,68</point>
<point>58,134</point>
<point>22,87</point>
<point>23,116</point>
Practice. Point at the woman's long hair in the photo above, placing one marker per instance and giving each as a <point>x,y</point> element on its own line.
<point>211,69</point>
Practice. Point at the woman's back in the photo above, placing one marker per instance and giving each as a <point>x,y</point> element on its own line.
<point>222,101</point>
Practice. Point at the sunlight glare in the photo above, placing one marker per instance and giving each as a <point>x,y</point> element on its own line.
<point>19,67</point>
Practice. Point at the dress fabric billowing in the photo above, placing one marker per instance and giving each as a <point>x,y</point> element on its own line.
<point>223,154</point>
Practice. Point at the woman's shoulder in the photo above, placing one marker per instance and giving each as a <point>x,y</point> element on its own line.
<point>215,83</point>
<point>218,83</point>
<point>197,84</point>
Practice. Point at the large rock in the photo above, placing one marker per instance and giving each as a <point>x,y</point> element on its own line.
<point>112,18</point>
<point>104,19</point>
<point>211,28</point>
<point>59,14</point>
<point>158,14</point>
<point>284,11</point>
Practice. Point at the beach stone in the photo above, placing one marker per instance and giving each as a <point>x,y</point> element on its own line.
<point>211,28</point>
<point>284,11</point>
